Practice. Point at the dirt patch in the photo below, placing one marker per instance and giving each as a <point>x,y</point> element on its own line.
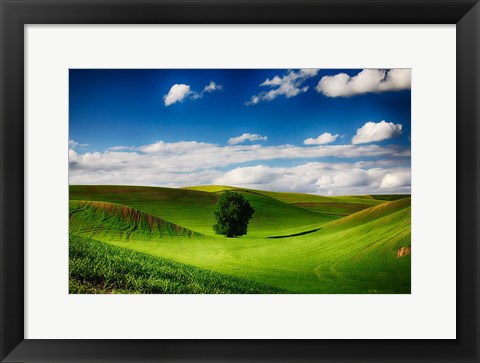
<point>403,251</point>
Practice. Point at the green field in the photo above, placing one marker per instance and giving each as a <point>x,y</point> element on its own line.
<point>129,239</point>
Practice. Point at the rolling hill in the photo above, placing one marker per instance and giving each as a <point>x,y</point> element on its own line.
<point>98,268</point>
<point>352,244</point>
<point>118,222</point>
<point>193,209</point>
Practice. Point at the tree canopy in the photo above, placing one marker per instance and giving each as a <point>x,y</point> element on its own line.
<point>233,214</point>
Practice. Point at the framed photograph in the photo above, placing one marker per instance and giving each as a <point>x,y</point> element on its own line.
<point>240,181</point>
<point>236,198</point>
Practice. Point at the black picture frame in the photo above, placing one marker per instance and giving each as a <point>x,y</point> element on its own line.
<point>17,13</point>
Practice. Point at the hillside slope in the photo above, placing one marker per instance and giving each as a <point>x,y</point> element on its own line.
<point>99,268</point>
<point>118,222</point>
<point>369,215</point>
<point>286,247</point>
<point>365,255</point>
<point>194,209</point>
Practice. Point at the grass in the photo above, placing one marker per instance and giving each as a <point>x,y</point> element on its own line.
<point>391,197</point>
<point>110,220</point>
<point>98,268</point>
<point>341,209</point>
<point>318,252</point>
<point>311,198</point>
<point>194,209</point>
<point>360,258</point>
<point>369,215</point>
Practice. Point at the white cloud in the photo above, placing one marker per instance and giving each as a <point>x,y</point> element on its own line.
<point>318,178</point>
<point>396,180</point>
<point>177,93</point>
<point>72,144</point>
<point>352,178</point>
<point>252,175</point>
<point>175,149</point>
<point>288,85</point>
<point>183,151</point>
<point>367,81</point>
<point>195,163</point>
<point>372,131</point>
<point>180,92</point>
<point>246,137</point>
<point>324,138</point>
<point>212,86</point>
<point>121,148</point>
<point>187,156</point>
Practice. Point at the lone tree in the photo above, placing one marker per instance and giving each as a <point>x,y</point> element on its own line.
<point>233,214</point>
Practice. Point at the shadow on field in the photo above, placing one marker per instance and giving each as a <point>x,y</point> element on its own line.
<point>297,234</point>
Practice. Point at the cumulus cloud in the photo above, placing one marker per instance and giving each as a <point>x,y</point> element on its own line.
<point>177,93</point>
<point>205,153</point>
<point>246,137</point>
<point>367,81</point>
<point>315,177</point>
<point>72,144</point>
<point>211,87</point>
<point>396,180</point>
<point>351,178</point>
<point>196,163</point>
<point>288,85</point>
<point>254,175</point>
<point>186,156</point>
<point>372,131</point>
<point>181,92</point>
<point>324,138</point>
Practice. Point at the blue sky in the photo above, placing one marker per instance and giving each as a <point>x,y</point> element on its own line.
<point>321,131</point>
